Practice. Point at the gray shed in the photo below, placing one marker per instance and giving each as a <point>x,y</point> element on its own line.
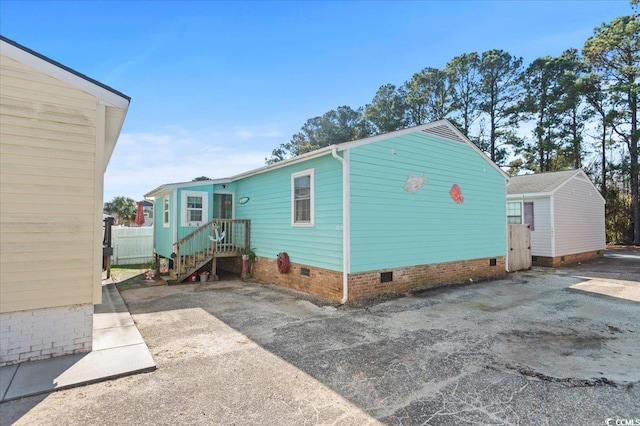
<point>565,212</point>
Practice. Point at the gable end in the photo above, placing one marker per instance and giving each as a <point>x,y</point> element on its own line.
<point>444,131</point>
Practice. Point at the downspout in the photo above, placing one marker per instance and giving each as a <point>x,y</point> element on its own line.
<point>346,221</point>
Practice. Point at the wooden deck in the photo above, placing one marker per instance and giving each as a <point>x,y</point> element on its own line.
<point>216,238</point>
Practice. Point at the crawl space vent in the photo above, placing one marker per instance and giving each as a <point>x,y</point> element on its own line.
<point>386,277</point>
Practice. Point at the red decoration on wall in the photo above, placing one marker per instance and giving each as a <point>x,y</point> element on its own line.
<point>283,263</point>
<point>456,194</point>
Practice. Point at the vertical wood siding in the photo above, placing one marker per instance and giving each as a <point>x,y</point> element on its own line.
<point>48,190</point>
<point>269,209</point>
<point>579,218</point>
<point>391,227</point>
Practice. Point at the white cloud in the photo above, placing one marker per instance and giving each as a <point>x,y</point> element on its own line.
<point>143,161</point>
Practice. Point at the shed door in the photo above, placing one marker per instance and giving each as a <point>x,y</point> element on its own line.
<point>519,257</point>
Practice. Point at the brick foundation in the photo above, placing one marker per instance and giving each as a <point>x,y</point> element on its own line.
<point>567,259</point>
<point>328,284</point>
<point>45,333</point>
<point>321,282</point>
<point>369,283</point>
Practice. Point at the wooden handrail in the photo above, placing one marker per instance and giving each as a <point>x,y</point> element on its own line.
<point>201,229</point>
<point>195,246</point>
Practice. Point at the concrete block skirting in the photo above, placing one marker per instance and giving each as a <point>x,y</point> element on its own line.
<point>45,333</point>
<point>328,284</point>
<point>566,259</point>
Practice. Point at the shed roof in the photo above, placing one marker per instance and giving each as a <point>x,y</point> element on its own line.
<point>539,183</point>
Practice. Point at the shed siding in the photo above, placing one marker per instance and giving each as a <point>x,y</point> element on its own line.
<point>579,218</point>
<point>269,209</point>
<point>391,227</point>
<point>48,211</point>
<point>542,234</point>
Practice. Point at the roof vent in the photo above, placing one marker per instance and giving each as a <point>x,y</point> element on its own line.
<point>444,131</point>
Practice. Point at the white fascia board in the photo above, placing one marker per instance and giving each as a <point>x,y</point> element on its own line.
<point>106,97</point>
<point>163,190</point>
<point>300,158</point>
<point>529,195</point>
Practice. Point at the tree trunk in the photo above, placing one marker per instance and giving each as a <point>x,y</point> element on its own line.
<point>603,190</point>
<point>633,152</point>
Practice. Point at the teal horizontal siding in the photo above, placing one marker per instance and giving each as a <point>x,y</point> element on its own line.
<point>269,209</point>
<point>163,237</point>
<point>391,227</point>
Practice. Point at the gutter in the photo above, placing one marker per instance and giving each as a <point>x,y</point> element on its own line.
<point>346,220</point>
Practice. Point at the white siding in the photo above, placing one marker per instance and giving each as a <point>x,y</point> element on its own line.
<point>579,218</point>
<point>49,220</point>
<point>542,234</point>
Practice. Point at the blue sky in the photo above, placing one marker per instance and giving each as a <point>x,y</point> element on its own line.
<point>215,86</point>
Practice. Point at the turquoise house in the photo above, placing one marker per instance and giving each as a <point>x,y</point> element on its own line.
<point>413,208</point>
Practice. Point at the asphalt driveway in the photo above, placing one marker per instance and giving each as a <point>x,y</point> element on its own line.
<point>547,346</point>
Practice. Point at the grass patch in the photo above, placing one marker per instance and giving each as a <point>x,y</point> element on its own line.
<point>127,277</point>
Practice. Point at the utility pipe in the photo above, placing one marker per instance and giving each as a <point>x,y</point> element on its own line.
<point>346,221</point>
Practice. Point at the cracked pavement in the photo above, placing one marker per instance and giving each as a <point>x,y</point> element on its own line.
<point>530,349</point>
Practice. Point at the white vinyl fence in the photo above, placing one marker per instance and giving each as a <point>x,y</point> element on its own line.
<point>131,245</point>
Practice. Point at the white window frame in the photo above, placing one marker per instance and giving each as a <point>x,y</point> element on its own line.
<point>184,210</point>
<point>166,215</point>
<point>294,176</point>
<point>519,216</point>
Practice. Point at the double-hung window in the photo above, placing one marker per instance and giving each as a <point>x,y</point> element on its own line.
<point>514,213</point>
<point>194,208</point>
<point>302,198</point>
<point>165,212</point>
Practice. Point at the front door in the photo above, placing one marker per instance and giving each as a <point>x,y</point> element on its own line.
<point>225,203</point>
<point>224,206</point>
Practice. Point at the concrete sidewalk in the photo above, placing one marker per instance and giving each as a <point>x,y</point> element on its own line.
<point>118,350</point>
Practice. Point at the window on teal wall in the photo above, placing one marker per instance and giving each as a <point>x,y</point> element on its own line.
<point>194,208</point>
<point>302,190</point>
<point>165,212</point>
<point>514,213</point>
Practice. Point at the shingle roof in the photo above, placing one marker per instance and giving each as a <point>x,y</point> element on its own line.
<point>539,183</point>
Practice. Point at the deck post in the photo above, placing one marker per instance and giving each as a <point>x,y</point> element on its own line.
<point>214,276</point>
<point>247,241</point>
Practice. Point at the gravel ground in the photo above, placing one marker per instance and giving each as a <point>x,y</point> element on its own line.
<point>527,349</point>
